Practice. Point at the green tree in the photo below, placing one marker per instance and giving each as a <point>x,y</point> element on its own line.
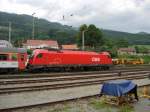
<point>143,50</point>
<point>18,43</point>
<point>83,27</point>
<point>137,49</point>
<point>114,52</point>
<point>93,36</point>
<point>110,43</point>
<point>52,32</point>
<point>122,43</point>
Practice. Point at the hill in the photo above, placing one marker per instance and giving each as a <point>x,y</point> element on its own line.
<point>22,29</point>
<point>137,38</point>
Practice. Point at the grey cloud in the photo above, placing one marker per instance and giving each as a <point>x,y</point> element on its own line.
<point>30,2</point>
<point>123,15</point>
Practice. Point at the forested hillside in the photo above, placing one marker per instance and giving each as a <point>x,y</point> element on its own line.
<point>138,38</point>
<point>22,30</point>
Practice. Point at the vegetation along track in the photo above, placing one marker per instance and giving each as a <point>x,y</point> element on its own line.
<point>66,80</point>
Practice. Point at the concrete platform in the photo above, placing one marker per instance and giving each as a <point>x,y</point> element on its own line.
<point>48,96</point>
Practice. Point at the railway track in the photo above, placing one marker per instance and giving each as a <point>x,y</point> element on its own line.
<point>53,74</point>
<point>42,70</point>
<point>58,81</point>
<point>24,83</point>
<point>61,77</point>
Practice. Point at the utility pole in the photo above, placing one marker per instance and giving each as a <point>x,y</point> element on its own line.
<point>83,39</point>
<point>33,22</point>
<point>9,32</point>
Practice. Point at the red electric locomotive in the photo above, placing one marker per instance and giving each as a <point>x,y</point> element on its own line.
<point>12,59</point>
<point>65,58</point>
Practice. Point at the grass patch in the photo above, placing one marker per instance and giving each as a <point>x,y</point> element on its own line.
<point>60,109</point>
<point>98,104</point>
<point>146,46</point>
<point>126,108</point>
<point>108,109</point>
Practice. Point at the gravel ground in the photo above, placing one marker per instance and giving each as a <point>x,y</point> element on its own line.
<point>90,105</point>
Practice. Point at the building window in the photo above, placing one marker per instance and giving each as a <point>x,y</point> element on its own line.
<point>3,57</point>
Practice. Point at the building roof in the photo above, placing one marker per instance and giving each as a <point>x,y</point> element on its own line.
<point>5,43</point>
<point>39,42</point>
<point>127,49</point>
<point>42,43</point>
<point>70,46</point>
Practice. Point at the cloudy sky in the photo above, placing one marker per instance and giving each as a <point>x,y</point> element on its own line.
<point>122,15</point>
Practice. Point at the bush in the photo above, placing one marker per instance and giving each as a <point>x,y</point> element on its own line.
<point>29,52</point>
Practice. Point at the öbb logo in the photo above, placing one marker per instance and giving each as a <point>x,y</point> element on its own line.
<point>95,59</point>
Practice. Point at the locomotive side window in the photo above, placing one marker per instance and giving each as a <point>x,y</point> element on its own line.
<point>39,55</point>
<point>3,57</point>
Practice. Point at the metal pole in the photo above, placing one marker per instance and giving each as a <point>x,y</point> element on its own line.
<point>33,25</point>
<point>9,32</point>
<point>83,40</point>
<point>33,28</point>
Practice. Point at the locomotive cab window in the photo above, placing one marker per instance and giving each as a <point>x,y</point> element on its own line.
<point>3,57</point>
<point>40,55</point>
